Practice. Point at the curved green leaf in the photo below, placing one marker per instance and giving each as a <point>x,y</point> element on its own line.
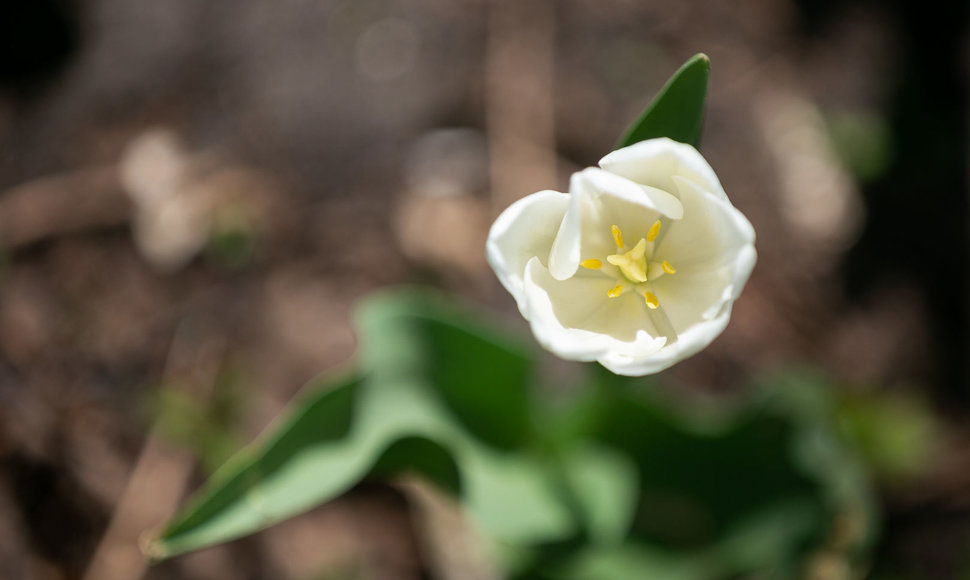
<point>301,463</point>
<point>438,395</point>
<point>677,111</point>
<point>481,376</point>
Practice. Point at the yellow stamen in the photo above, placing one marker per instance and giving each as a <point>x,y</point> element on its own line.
<point>615,291</point>
<point>654,231</point>
<point>617,237</point>
<point>668,269</point>
<point>651,300</point>
<point>591,264</point>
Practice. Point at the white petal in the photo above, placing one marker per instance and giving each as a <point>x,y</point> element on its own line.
<point>619,187</point>
<point>655,161</point>
<point>526,229</point>
<point>567,248</point>
<point>575,319</point>
<point>599,200</point>
<point>688,344</point>
<point>743,265</point>
<point>711,234</point>
<point>713,251</point>
<point>692,298</point>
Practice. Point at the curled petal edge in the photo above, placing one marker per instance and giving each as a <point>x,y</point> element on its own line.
<point>654,159</point>
<point>688,343</point>
<point>524,230</point>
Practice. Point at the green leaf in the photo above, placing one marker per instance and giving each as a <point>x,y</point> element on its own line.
<point>605,486</point>
<point>745,488</point>
<point>299,465</point>
<point>632,562</point>
<point>763,542</point>
<point>677,111</point>
<point>479,374</point>
<point>696,484</point>
<point>770,538</point>
<point>624,484</point>
<point>426,370</point>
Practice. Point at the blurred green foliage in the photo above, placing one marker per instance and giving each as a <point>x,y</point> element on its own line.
<point>619,482</point>
<point>896,434</point>
<point>234,241</point>
<point>863,143</point>
<point>205,425</point>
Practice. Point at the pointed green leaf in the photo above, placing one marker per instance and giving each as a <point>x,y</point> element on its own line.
<point>438,394</point>
<point>274,479</point>
<point>678,109</point>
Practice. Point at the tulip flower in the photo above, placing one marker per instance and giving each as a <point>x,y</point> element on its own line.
<point>637,267</point>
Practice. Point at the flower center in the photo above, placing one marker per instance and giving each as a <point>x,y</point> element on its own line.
<point>632,264</point>
<point>636,266</point>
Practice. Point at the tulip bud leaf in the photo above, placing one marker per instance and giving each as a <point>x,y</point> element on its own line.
<point>677,111</point>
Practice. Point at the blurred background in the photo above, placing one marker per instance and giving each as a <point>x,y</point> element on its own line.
<point>193,195</point>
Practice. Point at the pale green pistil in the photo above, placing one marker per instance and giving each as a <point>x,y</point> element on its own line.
<point>633,264</point>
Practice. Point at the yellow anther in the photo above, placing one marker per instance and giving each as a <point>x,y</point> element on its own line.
<point>651,300</point>
<point>668,269</point>
<point>617,237</point>
<point>654,231</point>
<point>616,291</point>
<point>591,264</point>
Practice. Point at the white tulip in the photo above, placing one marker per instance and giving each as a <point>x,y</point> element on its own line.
<point>637,267</point>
